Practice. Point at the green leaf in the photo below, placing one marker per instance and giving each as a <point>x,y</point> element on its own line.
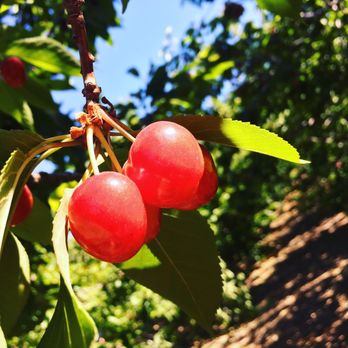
<point>45,53</point>
<point>133,71</point>
<point>15,170</point>
<point>124,5</point>
<point>143,259</point>
<point>11,140</point>
<point>281,7</point>
<point>14,280</point>
<point>4,8</point>
<point>13,104</point>
<point>14,2</point>
<point>189,271</point>
<point>3,343</point>
<point>59,238</point>
<point>240,134</point>
<point>218,70</point>
<point>37,227</point>
<point>71,326</point>
<point>8,182</point>
<point>37,95</point>
<point>12,178</point>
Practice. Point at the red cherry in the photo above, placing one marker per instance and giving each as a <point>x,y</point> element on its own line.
<point>153,215</point>
<point>107,217</point>
<point>166,163</point>
<point>24,206</point>
<point>207,186</point>
<point>13,72</point>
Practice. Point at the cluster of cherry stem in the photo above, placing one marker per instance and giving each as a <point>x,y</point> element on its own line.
<point>96,115</point>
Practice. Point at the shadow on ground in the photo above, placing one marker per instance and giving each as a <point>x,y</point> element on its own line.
<point>301,289</point>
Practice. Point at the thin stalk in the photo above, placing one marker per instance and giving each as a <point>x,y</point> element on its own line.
<point>115,124</point>
<point>58,138</point>
<point>90,147</point>
<point>99,134</point>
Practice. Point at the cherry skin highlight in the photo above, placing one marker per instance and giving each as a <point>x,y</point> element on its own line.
<point>13,72</point>
<point>107,217</point>
<point>24,206</point>
<point>207,186</point>
<point>166,163</point>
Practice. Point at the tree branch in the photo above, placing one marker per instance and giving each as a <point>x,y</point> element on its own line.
<point>76,19</point>
<point>52,180</point>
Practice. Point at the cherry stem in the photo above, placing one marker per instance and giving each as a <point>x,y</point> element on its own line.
<point>116,125</point>
<point>76,19</point>
<point>90,148</point>
<point>99,134</point>
<point>46,146</point>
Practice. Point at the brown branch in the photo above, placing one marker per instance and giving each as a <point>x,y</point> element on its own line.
<point>76,19</point>
<point>52,180</point>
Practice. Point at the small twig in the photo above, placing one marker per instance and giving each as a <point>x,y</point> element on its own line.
<point>76,19</point>
<point>111,106</point>
<point>53,179</point>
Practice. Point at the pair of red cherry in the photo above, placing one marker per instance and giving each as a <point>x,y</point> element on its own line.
<point>112,215</point>
<point>13,72</point>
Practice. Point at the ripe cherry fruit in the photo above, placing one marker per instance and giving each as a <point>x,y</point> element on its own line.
<point>24,206</point>
<point>107,217</point>
<point>207,186</point>
<point>13,72</point>
<point>153,215</point>
<point>166,163</point>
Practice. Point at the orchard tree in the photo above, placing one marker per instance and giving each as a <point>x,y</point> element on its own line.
<point>142,180</point>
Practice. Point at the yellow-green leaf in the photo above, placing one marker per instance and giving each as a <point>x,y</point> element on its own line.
<point>45,53</point>
<point>243,135</point>
<point>71,326</point>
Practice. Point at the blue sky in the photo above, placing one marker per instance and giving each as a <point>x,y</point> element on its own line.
<point>138,43</point>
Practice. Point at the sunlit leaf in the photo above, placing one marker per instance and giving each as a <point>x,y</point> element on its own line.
<point>8,181</point>
<point>239,134</point>
<point>14,171</point>
<point>143,259</point>
<point>45,53</point>
<point>2,339</point>
<point>218,70</point>
<point>14,280</point>
<point>189,271</point>
<point>281,7</point>
<point>4,8</point>
<point>71,326</point>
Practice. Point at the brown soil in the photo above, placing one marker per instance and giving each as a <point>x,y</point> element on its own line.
<point>301,289</point>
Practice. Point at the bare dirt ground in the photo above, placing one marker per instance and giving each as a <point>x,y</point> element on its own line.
<point>301,289</point>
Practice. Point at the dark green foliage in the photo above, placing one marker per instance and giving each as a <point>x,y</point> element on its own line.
<point>288,76</point>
